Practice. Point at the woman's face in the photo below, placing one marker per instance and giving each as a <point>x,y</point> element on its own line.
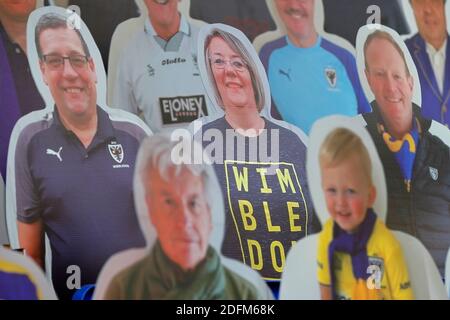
<point>232,76</point>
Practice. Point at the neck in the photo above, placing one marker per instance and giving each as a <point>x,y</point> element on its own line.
<point>437,42</point>
<point>84,127</point>
<point>398,131</point>
<point>245,120</point>
<point>16,30</point>
<point>167,31</point>
<point>303,42</point>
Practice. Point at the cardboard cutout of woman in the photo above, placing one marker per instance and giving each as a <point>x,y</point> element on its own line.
<point>260,162</point>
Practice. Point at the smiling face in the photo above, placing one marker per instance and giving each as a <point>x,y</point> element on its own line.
<point>17,10</point>
<point>347,192</point>
<point>73,89</point>
<point>181,216</point>
<point>232,77</point>
<point>430,18</point>
<point>298,17</point>
<point>391,85</point>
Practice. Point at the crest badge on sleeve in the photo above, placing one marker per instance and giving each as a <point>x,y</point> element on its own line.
<point>434,173</point>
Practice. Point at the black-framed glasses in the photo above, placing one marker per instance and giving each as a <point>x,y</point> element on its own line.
<point>236,63</point>
<point>55,61</point>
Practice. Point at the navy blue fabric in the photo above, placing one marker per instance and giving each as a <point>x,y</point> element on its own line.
<point>15,286</point>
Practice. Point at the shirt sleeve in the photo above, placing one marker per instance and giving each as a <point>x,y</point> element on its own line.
<point>397,273</point>
<point>323,267</point>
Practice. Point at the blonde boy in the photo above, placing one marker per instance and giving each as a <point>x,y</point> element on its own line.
<point>358,257</point>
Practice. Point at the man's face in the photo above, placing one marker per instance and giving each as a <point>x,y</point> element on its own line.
<point>389,82</point>
<point>72,87</point>
<point>18,10</point>
<point>181,216</point>
<point>430,18</point>
<point>163,13</point>
<point>297,16</point>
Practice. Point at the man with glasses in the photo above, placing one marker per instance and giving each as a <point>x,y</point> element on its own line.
<point>157,75</point>
<point>73,166</point>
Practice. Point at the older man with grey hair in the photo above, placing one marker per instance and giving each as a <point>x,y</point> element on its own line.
<point>178,205</point>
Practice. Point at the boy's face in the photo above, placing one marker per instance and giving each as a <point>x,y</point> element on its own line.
<point>347,193</point>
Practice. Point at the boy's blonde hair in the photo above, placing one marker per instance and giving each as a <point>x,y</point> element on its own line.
<point>340,145</point>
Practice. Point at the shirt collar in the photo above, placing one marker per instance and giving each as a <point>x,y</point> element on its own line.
<point>432,51</point>
<point>184,26</point>
<point>105,130</point>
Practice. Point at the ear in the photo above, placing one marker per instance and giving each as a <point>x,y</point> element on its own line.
<point>43,71</point>
<point>410,80</point>
<point>372,196</point>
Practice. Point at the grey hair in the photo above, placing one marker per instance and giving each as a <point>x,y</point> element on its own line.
<point>160,152</point>
<point>55,21</point>
<point>237,46</point>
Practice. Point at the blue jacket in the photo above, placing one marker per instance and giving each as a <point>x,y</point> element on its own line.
<point>435,105</point>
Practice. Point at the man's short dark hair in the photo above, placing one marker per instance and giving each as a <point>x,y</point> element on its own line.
<point>54,21</point>
<point>385,36</point>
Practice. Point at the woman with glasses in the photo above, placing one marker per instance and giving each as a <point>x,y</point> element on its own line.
<point>260,162</point>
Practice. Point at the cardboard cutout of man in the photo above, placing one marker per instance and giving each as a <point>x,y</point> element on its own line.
<point>157,74</point>
<point>430,52</point>
<point>416,163</point>
<point>310,77</point>
<point>72,166</point>
<point>17,88</point>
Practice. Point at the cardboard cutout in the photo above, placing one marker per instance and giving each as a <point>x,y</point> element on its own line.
<point>424,276</point>
<point>156,272</point>
<point>21,278</point>
<point>261,170</point>
<point>416,166</point>
<point>432,65</point>
<point>163,85</point>
<point>312,74</point>
<point>80,199</point>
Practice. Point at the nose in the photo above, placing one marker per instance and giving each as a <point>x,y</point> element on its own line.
<point>68,70</point>
<point>229,69</point>
<point>389,83</point>
<point>185,218</point>
<point>341,201</point>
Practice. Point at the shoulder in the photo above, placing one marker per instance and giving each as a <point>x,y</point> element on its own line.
<point>33,126</point>
<point>267,50</point>
<point>339,52</point>
<point>384,240</point>
<point>128,123</point>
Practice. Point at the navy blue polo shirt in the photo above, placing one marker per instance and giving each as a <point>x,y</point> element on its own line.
<point>83,196</point>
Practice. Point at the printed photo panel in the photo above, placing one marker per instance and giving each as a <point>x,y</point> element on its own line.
<point>74,191</point>
<point>169,67</point>
<point>413,148</point>
<point>3,230</point>
<point>311,74</point>
<point>174,192</point>
<point>22,279</point>
<point>259,161</point>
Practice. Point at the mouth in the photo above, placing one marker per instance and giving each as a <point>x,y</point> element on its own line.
<point>73,90</point>
<point>393,100</point>
<point>344,215</point>
<point>296,14</point>
<point>233,85</point>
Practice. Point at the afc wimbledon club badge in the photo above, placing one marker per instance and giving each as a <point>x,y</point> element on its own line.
<point>434,173</point>
<point>116,152</point>
<point>331,76</point>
